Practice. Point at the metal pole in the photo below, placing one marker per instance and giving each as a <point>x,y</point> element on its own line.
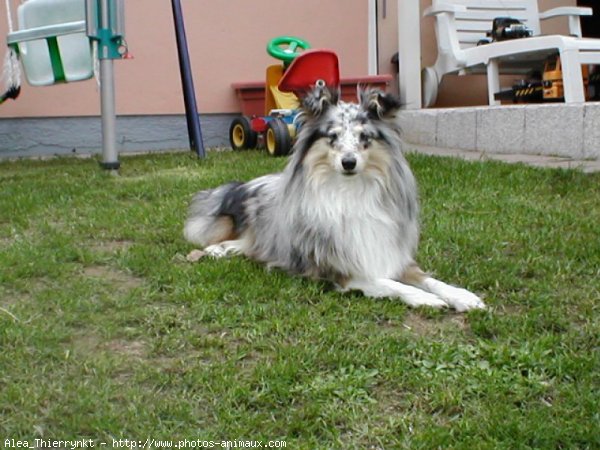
<point>187,81</point>
<point>110,155</point>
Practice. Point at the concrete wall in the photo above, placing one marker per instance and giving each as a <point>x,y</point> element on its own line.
<point>551,129</point>
<point>46,136</point>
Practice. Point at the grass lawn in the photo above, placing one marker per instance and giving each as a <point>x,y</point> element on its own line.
<point>107,332</point>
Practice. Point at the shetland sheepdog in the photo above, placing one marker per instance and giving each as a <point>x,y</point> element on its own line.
<point>344,209</point>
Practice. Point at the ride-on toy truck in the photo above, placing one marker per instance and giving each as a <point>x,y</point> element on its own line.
<point>302,69</point>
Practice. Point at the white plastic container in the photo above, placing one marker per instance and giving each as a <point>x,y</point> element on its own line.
<point>71,59</point>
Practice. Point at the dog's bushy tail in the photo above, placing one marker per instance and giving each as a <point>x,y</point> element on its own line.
<point>207,223</point>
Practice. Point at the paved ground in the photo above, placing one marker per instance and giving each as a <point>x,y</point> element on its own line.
<point>587,166</point>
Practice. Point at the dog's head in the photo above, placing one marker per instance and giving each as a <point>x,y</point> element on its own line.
<point>348,139</point>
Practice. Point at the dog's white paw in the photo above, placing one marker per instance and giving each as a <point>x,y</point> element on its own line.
<point>424,299</point>
<point>462,300</point>
<point>225,248</point>
<point>458,298</point>
<point>215,251</point>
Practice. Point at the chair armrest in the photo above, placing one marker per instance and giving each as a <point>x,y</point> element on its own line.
<point>572,12</point>
<point>565,11</point>
<point>443,8</point>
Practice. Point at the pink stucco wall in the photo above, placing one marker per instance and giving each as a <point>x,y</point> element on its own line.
<point>227,41</point>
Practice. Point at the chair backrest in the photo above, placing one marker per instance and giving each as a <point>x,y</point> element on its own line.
<point>473,24</point>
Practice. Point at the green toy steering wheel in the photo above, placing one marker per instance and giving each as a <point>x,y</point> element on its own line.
<point>276,48</point>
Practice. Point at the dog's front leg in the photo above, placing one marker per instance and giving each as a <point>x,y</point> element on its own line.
<point>383,287</point>
<point>458,298</point>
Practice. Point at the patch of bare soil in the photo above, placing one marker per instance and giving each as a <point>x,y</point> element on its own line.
<point>90,342</point>
<point>424,326</point>
<point>111,247</point>
<point>117,277</point>
<point>129,349</point>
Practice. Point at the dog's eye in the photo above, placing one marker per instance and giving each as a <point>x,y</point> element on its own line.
<point>365,139</point>
<point>333,136</point>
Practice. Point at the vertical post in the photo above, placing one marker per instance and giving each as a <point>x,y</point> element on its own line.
<point>105,26</point>
<point>110,155</point>
<point>409,53</point>
<point>187,81</point>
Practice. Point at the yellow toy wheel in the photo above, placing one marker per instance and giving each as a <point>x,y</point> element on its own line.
<point>277,138</point>
<point>241,134</point>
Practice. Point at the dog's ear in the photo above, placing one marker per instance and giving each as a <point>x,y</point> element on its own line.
<point>319,100</point>
<point>378,104</point>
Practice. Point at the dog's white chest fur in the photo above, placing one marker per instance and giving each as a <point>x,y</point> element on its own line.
<point>360,236</point>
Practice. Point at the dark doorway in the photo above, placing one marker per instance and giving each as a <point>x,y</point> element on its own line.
<point>590,25</point>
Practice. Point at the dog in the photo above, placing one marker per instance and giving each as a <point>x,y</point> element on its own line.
<point>344,209</point>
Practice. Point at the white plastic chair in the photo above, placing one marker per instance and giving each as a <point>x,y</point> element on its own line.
<point>460,24</point>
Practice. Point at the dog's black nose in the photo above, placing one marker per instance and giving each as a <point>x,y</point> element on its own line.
<point>348,163</point>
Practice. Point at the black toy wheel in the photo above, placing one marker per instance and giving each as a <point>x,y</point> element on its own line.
<point>241,134</point>
<point>277,139</point>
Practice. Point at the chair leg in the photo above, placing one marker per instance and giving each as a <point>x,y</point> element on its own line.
<point>572,76</point>
<point>429,86</point>
<point>493,81</point>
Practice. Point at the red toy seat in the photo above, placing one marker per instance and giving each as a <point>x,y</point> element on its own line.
<point>309,67</point>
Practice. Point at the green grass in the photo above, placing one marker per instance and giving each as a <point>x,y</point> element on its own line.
<point>106,331</point>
